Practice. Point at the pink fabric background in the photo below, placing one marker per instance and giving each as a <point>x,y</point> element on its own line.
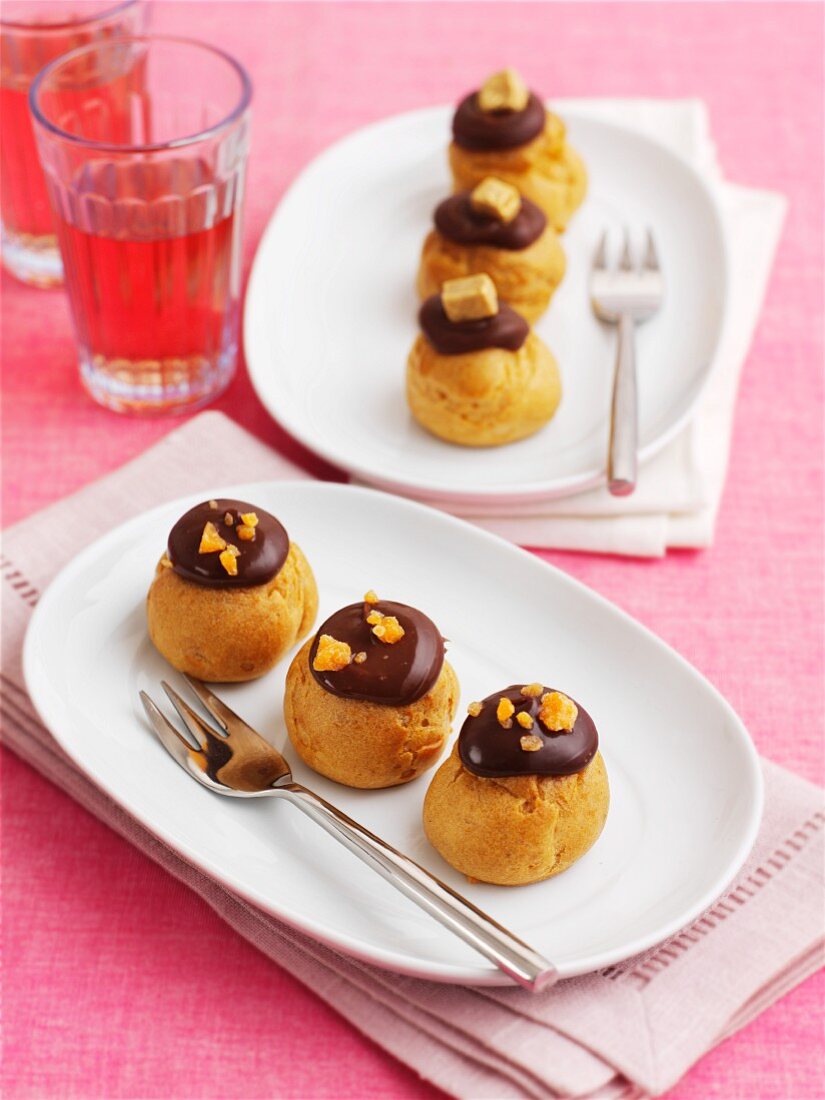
<point>118,983</point>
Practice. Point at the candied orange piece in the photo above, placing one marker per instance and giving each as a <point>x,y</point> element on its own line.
<point>331,655</point>
<point>558,712</point>
<point>504,712</point>
<point>211,541</point>
<point>531,742</point>
<point>229,561</point>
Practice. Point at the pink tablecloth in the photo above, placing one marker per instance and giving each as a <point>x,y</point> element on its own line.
<point>118,983</point>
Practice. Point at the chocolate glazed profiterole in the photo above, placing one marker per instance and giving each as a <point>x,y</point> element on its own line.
<point>370,699</point>
<point>477,375</point>
<point>503,130</point>
<point>231,595</point>
<point>493,229</point>
<point>524,793</point>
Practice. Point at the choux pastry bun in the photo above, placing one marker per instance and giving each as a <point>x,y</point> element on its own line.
<point>503,130</point>
<point>524,793</point>
<point>231,594</point>
<point>477,375</point>
<point>494,229</point>
<point>370,699</point>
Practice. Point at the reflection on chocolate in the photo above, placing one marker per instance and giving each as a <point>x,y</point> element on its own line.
<point>456,220</point>
<point>260,559</point>
<point>477,129</point>
<point>507,329</point>
<point>489,750</point>
<point>393,675</point>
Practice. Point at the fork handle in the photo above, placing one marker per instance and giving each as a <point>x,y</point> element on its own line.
<point>480,931</point>
<point>624,416</point>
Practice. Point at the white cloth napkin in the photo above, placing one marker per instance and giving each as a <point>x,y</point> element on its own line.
<point>679,490</point>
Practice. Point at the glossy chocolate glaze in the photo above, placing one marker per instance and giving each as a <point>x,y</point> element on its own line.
<point>485,130</point>
<point>489,750</point>
<point>259,561</point>
<point>507,329</point>
<point>392,675</point>
<point>456,220</point>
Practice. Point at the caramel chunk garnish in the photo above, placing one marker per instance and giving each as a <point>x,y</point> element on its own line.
<point>229,560</point>
<point>531,742</point>
<point>371,597</point>
<point>359,658</point>
<point>331,655</point>
<point>500,200</point>
<point>504,712</point>
<point>229,519</point>
<point>245,533</point>
<point>211,541</point>
<point>213,504</point>
<point>558,712</point>
<point>250,519</point>
<point>532,691</point>
<point>504,91</point>
<point>388,629</point>
<point>474,709</point>
<point>470,298</point>
<point>525,720</point>
<point>374,618</point>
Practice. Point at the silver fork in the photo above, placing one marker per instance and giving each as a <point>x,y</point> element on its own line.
<point>625,296</point>
<point>235,760</point>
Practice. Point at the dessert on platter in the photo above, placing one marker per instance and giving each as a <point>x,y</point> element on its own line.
<point>504,130</point>
<point>494,229</point>
<point>231,594</point>
<point>524,793</point>
<point>370,699</point>
<point>477,375</point>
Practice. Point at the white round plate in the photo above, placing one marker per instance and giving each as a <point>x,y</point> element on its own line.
<point>684,776</point>
<point>330,312</point>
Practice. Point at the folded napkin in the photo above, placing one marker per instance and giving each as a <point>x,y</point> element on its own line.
<point>680,489</point>
<point>631,1030</point>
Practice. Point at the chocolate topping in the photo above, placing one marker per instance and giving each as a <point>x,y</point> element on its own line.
<point>260,559</point>
<point>393,675</point>
<point>477,129</point>
<point>456,220</point>
<point>507,329</point>
<point>488,749</point>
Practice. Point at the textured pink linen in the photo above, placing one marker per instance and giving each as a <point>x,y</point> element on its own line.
<point>122,983</point>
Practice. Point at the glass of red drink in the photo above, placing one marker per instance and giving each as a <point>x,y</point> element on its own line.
<point>33,33</point>
<point>143,142</point>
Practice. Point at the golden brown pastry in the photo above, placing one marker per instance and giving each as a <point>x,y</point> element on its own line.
<point>476,374</point>
<point>524,793</point>
<point>493,229</point>
<point>370,699</point>
<point>231,594</point>
<point>503,130</point>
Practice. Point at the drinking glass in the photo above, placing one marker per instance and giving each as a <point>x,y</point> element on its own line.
<point>33,33</point>
<point>144,141</point>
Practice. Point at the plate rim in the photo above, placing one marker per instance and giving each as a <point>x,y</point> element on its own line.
<point>46,701</point>
<point>254,314</point>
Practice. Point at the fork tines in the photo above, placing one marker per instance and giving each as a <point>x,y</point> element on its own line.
<point>650,257</point>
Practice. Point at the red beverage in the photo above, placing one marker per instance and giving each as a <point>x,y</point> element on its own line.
<point>31,35</point>
<point>152,300</point>
<point>155,306</point>
<point>25,200</point>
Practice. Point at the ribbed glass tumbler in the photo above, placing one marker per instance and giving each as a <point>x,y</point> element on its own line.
<point>144,143</point>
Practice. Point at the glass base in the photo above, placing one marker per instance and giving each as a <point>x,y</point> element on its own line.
<point>33,260</point>
<point>157,387</point>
